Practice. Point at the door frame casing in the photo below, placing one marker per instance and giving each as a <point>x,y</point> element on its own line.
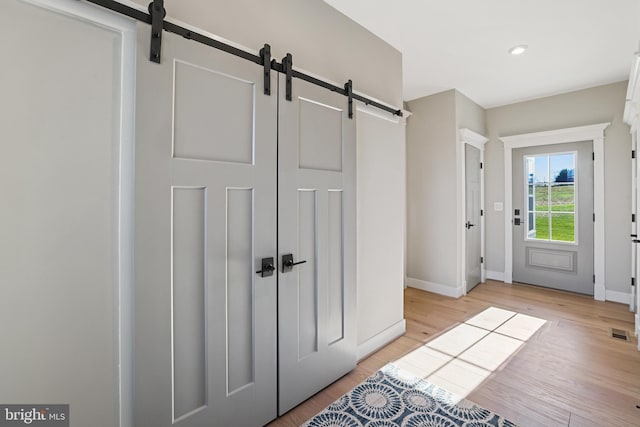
<point>594,133</point>
<point>467,136</point>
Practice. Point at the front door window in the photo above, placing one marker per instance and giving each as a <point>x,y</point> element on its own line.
<point>550,197</point>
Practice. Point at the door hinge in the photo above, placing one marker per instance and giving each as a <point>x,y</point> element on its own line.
<point>594,217</point>
<point>481,212</point>
<point>633,217</point>
<point>594,278</point>
<point>481,260</point>
<point>633,281</point>
<point>593,155</point>
<point>633,154</point>
<point>481,165</point>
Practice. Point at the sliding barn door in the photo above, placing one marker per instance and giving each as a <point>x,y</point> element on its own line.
<point>316,226</point>
<point>205,216</point>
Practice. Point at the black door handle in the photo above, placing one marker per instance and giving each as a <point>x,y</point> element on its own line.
<point>468,225</point>
<point>267,267</point>
<point>287,263</point>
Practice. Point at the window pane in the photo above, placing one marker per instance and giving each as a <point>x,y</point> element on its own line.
<point>563,227</point>
<point>542,226</point>
<point>541,169</point>
<point>531,223</point>
<point>562,167</point>
<point>542,196</point>
<point>563,197</point>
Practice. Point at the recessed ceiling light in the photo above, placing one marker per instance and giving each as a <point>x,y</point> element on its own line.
<point>518,50</point>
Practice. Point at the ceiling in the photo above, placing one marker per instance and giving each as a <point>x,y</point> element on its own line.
<point>463,44</point>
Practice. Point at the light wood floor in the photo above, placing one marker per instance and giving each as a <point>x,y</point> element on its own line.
<point>570,373</point>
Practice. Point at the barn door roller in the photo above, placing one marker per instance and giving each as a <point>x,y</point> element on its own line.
<point>157,12</point>
<point>265,54</point>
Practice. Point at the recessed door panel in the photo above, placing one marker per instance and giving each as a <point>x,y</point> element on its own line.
<point>240,318</point>
<point>335,283</point>
<point>189,296</point>
<point>307,306</point>
<point>320,135</point>
<point>206,129</point>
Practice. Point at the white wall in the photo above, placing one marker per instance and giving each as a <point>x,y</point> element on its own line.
<point>431,191</point>
<point>590,106</point>
<point>381,219</point>
<point>65,183</point>
<point>321,39</point>
<point>434,189</point>
<point>470,115</point>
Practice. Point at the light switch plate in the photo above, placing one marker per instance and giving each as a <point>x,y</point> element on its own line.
<point>498,207</point>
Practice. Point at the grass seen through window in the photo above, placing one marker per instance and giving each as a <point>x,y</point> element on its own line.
<point>562,212</point>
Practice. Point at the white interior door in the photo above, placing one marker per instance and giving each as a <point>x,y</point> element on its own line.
<point>473,228</point>
<point>316,224</point>
<point>553,216</point>
<point>634,227</point>
<point>205,216</point>
<point>635,304</point>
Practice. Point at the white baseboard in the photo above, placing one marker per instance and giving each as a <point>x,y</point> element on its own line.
<point>495,275</point>
<point>615,296</point>
<point>599,292</point>
<point>436,288</point>
<point>380,340</point>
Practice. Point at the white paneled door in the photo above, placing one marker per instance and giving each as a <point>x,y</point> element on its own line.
<point>316,221</point>
<point>205,216</point>
<point>224,177</point>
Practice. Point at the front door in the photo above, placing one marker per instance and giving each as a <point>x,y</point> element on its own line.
<point>316,221</point>
<point>205,343</point>
<point>553,216</point>
<point>472,208</point>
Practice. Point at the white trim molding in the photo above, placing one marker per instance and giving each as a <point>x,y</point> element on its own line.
<point>381,339</point>
<point>495,275</point>
<point>620,297</point>
<point>467,136</point>
<point>436,288</point>
<point>593,133</point>
<point>632,104</point>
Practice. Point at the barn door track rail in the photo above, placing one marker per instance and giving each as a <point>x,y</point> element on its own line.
<point>156,16</point>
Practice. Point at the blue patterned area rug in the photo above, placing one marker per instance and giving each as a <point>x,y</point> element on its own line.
<point>391,398</point>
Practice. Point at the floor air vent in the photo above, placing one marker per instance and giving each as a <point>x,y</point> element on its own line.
<point>618,334</point>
